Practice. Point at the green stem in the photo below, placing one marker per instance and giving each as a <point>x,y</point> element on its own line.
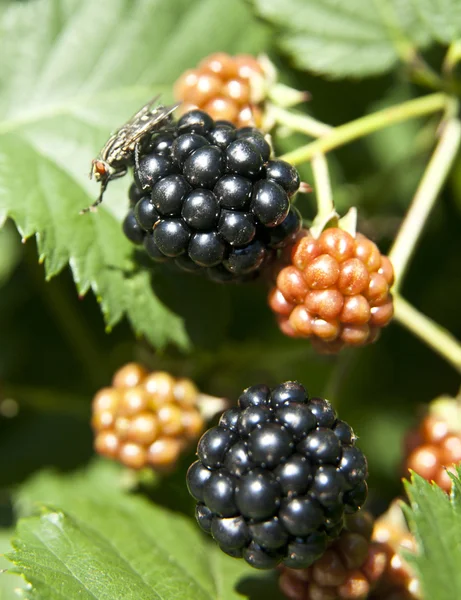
<point>323,193</point>
<point>435,336</point>
<point>365,125</point>
<point>452,58</point>
<point>299,122</point>
<point>429,188</point>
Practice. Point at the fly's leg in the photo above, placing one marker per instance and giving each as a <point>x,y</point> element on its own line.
<point>104,185</point>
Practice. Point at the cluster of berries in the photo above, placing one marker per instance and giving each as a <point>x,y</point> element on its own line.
<point>335,291</point>
<point>208,197</point>
<point>362,563</point>
<point>433,449</point>
<point>146,418</point>
<point>226,87</point>
<point>276,476</point>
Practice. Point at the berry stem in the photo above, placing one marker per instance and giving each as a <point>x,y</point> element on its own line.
<point>323,193</point>
<point>435,336</point>
<point>299,122</point>
<point>365,125</point>
<point>429,188</point>
<point>210,406</point>
<point>452,58</point>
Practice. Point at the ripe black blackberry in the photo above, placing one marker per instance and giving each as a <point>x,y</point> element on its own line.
<point>276,476</point>
<point>207,197</point>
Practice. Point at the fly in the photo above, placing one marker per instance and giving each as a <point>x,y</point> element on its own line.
<point>124,146</point>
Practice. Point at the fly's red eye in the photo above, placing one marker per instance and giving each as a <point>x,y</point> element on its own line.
<point>100,167</point>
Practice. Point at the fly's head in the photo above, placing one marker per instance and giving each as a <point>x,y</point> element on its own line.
<point>101,170</point>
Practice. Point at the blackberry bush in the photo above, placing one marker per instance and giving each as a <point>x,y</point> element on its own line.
<point>274,479</point>
<point>335,291</point>
<point>209,197</point>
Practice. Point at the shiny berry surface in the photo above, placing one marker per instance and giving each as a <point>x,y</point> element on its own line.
<point>204,167</point>
<point>206,249</point>
<point>244,158</point>
<point>284,174</point>
<point>152,168</point>
<point>276,477</point>
<point>196,121</point>
<point>200,209</point>
<point>146,214</point>
<point>237,228</point>
<point>131,228</point>
<point>233,192</point>
<point>245,259</point>
<point>171,237</point>
<point>184,145</point>
<point>168,194</point>
<point>269,203</point>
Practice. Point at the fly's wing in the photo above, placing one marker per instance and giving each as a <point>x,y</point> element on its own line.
<point>140,129</point>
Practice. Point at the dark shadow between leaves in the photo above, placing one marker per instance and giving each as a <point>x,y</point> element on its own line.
<point>255,587</point>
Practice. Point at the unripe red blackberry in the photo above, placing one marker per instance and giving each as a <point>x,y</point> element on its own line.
<point>349,569</point>
<point>146,419</point>
<point>391,533</point>
<point>229,88</point>
<point>435,446</point>
<point>274,479</point>
<point>335,291</point>
<point>211,200</point>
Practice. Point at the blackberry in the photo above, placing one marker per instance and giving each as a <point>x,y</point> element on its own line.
<point>273,479</point>
<point>148,419</point>
<point>336,289</point>
<point>208,198</point>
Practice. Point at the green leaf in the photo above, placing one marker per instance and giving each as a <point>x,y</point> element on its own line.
<point>8,583</point>
<point>104,543</point>
<point>70,72</point>
<point>435,521</point>
<point>441,17</point>
<point>356,38</point>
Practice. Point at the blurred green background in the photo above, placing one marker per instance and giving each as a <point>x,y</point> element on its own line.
<point>55,353</point>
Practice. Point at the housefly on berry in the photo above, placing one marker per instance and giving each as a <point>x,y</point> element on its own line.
<point>123,147</point>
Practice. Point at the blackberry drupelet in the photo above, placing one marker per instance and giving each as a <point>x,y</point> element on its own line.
<point>207,197</point>
<point>276,476</point>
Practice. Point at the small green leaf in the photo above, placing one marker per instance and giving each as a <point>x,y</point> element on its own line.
<point>70,72</point>
<point>441,17</point>
<point>9,584</point>
<point>435,521</point>
<point>107,544</point>
<point>356,38</point>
